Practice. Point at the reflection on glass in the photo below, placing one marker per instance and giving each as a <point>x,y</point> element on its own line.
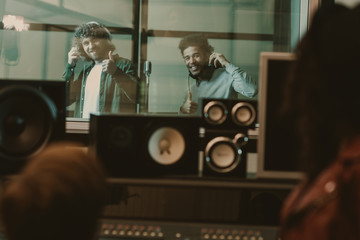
<point>151,31</point>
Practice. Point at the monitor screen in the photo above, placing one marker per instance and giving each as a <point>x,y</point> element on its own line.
<point>276,158</point>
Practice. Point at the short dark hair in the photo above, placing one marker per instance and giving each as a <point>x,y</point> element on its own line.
<point>92,29</point>
<point>58,195</point>
<point>198,40</point>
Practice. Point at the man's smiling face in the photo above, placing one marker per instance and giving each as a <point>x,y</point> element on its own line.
<point>195,60</point>
<point>96,48</point>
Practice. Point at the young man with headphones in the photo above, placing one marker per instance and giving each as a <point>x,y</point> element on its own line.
<point>211,75</point>
<point>109,83</point>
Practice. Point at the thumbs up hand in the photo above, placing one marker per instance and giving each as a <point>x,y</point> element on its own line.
<point>190,95</point>
<point>189,106</point>
<point>108,65</point>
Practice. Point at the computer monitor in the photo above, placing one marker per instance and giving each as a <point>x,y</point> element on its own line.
<point>276,155</point>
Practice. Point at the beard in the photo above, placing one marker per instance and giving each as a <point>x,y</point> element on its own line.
<point>196,70</point>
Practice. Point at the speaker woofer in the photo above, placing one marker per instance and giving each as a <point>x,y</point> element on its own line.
<point>166,145</point>
<point>222,155</point>
<point>27,122</point>
<point>229,114</point>
<point>243,114</point>
<point>215,112</point>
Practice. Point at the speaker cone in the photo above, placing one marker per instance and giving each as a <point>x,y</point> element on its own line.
<point>215,112</point>
<point>26,122</point>
<point>166,145</point>
<point>243,114</point>
<point>222,154</point>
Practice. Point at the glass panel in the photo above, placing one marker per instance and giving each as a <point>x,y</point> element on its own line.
<point>169,77</point>
<point>147,30</point>
<point>109,12</point>
<point>41,55</point>
<point>238,29</point>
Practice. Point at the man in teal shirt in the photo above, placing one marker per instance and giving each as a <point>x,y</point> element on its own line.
<point>213,75</point>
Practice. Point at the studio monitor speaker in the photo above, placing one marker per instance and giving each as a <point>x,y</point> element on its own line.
<point>224,136</point>
<point>32,115</point>
<point>145,145</point>
<point>229,114</point>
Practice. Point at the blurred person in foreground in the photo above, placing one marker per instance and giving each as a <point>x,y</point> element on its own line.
<point>109,83</point>
<point>322,99</point>
<point>58,195</point>
<point>211,75</point>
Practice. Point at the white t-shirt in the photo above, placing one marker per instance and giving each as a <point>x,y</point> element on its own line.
<point>92,88</point>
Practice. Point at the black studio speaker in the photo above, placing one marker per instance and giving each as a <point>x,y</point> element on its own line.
<point>229,114</point>
<point>145,145</point>
<point>224,136</point>
<point>32,115</point>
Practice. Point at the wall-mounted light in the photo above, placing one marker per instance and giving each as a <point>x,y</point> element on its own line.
<point>12,25</point>
<point>12,22</point>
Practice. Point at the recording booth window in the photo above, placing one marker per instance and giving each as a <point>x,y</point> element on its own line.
<point>147,31</point>
<point>37,36</point>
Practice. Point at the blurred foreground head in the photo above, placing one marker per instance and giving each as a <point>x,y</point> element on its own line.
<point>323,92</point>
<point>58,195</point>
